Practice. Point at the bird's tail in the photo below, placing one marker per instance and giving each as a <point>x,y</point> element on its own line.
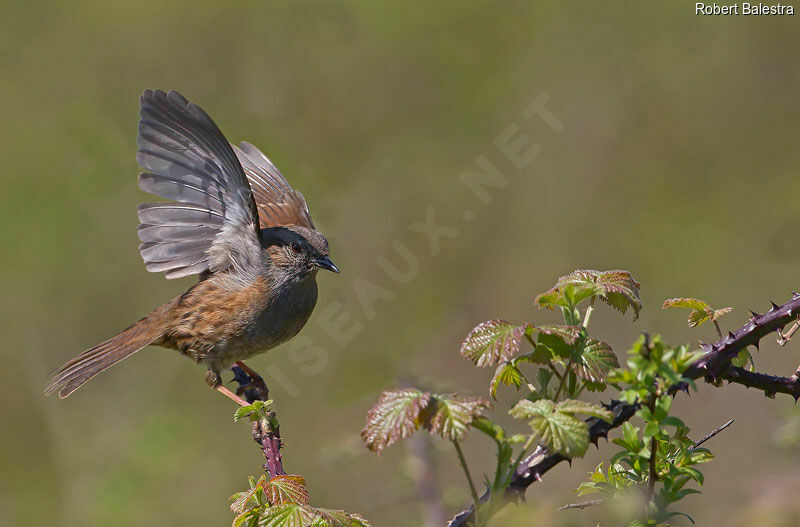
<point>83,367</point>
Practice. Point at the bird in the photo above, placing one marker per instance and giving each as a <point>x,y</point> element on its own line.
<point>233,220</point>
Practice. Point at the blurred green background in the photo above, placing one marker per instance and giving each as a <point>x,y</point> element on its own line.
<point>678,161</point>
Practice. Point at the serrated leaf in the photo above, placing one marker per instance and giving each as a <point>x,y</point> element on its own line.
<point>558,430</point>
<point>701,310</point>
<point>721,312</point>
<point>574,406</point>
<point>286,489</point>
<point>396,415</point>
<point>616,288</point>
<point>449,415</point>
<point>566,295</point>
<point>569,334</point>
<point>289,515</point>
<point>242,498</point>
<point>698,317</point>
<point>492,342</point>
<point>507,373</point>
<point>691,303</point>
<point>595,361</point>
<point>557,340</point>
<point>255,411</point>
<point>246,519</point>
<point>338,518</point>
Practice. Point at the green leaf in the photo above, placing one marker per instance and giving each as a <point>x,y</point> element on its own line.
<point>616,288</point>
<point>255,411</point>
<point>289,515</point>
<point>573,406</point>
<point>543,378</point>
<point>701,311</point>
<point>241,499</point>
<point>248,518</point>
<point>507,373</point>
<point>691,303</point>
<point>286,489</point>
<point>568,334</point>
<point>555,342</point>
<point>492,342</point>
<point>396,415</point>
<point>450,415</point>
<point>338,518</point>
<point>741,359</point>
<point>596,360</point>
<point>558,430</point>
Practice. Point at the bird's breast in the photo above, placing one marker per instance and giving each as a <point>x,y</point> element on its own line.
<point>285,315</point>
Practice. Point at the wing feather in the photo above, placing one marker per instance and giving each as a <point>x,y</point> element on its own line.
<point>212,223</point>
<point>277,202</point>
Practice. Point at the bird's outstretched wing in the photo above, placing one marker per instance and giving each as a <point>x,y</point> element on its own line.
<point>277,202</point>
<point>213,222</point>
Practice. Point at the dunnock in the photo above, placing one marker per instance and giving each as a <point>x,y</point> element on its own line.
<point>237,223</point>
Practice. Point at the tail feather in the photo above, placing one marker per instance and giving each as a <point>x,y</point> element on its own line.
<point>93,361</point>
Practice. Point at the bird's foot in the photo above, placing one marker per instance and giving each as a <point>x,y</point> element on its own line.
<point>251,384</point>
<point>215,381</point>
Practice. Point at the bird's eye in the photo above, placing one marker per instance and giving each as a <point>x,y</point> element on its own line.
<point>295,248</point>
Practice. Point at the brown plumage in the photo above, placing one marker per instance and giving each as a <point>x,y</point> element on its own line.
<point>235,221</point>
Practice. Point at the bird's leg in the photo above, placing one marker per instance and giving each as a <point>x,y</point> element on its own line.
<point>230,395</point>
<point>215,381</point>
<point>251,384</point>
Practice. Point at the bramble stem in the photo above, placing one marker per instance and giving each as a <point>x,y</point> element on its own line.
<point>266,432</point>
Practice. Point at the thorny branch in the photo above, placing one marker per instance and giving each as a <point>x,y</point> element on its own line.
<point>714,366</point>
<point>268,436</point>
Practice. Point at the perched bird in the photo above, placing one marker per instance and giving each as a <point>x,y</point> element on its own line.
<point>237,223</point>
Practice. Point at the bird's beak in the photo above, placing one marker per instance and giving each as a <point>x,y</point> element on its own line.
<point>325,263</point>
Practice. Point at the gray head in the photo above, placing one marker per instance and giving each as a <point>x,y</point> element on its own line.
<point>297,249</point>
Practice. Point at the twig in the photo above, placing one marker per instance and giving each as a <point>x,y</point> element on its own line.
<point>719,330</point>
<point>472,490</point>
<point>713,433</point>
<point>582,505</point>
<point>783,338</point>
<point>266,434</point>
<point>563,379</point>
<point>653,475</point>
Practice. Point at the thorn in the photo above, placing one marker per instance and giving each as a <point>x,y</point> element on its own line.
<point>731,335</point>
<point>753,315</point>
<point>774,305</point>
<point>795,294</point>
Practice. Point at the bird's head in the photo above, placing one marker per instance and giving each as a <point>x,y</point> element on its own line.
<point>298,250</point>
